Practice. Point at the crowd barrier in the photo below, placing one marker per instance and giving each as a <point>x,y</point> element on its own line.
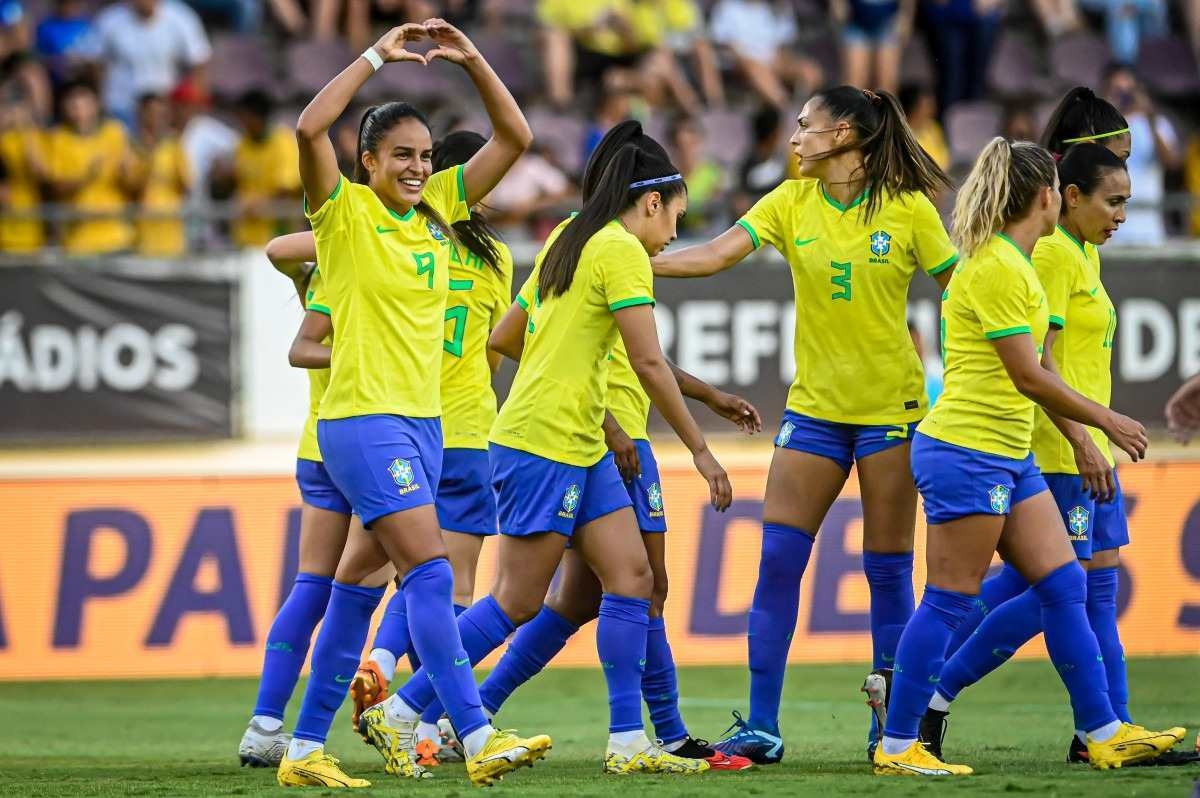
<point>137,577</point>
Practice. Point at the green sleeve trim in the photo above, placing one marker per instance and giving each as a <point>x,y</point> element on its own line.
<point>461,285</point>
<point>308,296</point>
<point>1058,321</point>
<point>320,308</point>
<point>631,302</point>
<point>336,190</point>
<point>946,264</point>
<point>1024,328</point>
<point>462,183</point>
<point>521,301</point>
<point>749,228</point>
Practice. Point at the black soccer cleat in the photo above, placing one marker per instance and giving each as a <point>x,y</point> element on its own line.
<point>932,731</point>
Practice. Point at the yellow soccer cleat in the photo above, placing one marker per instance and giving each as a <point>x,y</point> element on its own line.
<point>652,760</point>
<point>395,743</point>
<point>914,761</point>
<point>503,753</point>
<point>318,769</point>
<point>1132,744</point>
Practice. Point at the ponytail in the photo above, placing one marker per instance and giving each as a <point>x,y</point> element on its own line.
<point>476,234</point>
<point>1081,116</point>
<point>1002,183</point>
<point>893,161</point>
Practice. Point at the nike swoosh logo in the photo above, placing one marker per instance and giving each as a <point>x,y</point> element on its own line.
<point>935,678</point>
<point>886,658</point>
<point>641,663</point>
<point>922,771</point>
<point>803,242</point>
<point>462,661</point>
<point>381,229</point>
<point>340,680</point>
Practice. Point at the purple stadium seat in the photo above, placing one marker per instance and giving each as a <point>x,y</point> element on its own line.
<point>239,64</point>
<point>1078,59</point>
<point>415,83</point>
<point>727,134</point>
<point>1016,71</point>
<point>560,134</point>
<point>916,65</point>
<point>969,126</point>
<point>508,59</point>
<point>1168,67</point>
<point>311,64</point>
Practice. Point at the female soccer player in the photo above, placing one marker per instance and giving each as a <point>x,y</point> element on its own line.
<point>555,482</point>
<point>981,488</point>
<point>384,254</point>
<point>853,236</point>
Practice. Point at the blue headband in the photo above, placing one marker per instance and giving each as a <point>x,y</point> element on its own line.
<point>654,181</point>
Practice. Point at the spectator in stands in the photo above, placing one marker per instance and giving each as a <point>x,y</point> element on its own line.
<point>88,166</point>
<point>873,35</point>
<point>22,76</point>
<point>962,36</point>
<point>759,33</point>
<point>345,142</point>
<point>162,178</point>
<point>687,36</point>
<point>534,192</point>
<point>1058,17</point>
<point>21,172</point>
<point>612,107</point>
<point>67,41</point>
<point>708,200</point>
<point>920,106</point>
<point>150,46</point>
<point>243,16</point>
<point>1127,22</point>
<point>1154,150</point>
<point>765,166</point>
<point>264,171</point>
<point>1191,179</point>
<point>1018,123</point>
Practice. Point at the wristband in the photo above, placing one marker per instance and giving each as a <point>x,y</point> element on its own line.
<point>373,58</point>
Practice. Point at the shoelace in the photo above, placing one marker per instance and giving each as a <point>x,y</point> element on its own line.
<point>738,723</point>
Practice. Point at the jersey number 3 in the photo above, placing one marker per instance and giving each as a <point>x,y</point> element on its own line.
<point>840,279</point>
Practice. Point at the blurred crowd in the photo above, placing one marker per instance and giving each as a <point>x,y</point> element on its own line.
<point>164,126</point>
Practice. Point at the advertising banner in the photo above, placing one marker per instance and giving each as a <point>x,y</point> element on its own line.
<point>92,352</point>
<point>131,577</point>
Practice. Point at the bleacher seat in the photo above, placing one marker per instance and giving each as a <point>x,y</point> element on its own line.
<point>969,126</point>
<point>1168,67</point>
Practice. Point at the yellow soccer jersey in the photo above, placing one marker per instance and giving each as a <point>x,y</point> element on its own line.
<point>99,157</point>
<point>263,171</point>
<point>556,407</point>
<point>477,301</point>
<point>992,295</point>
<point>318,379</point>
<point>386,277</point>
<point>166,165</point>
<point>626,398</point>
<point>855,360</point>
<point>17,148</point>
<point>1080,307</point>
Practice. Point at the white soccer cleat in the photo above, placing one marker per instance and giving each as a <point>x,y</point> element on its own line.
<point>260,748</point>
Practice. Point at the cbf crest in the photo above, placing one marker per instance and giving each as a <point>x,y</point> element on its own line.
<point>999,497</point>
<point>881,245</point>
<point>785,433</point>
<point>403,475</point>
<point>654,497</point>
<point>1078,519</point>
<point>435,231</point>
<point>570,501</point>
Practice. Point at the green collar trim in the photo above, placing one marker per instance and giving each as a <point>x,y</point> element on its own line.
<point>1014,246</point>
<point>403,217</point>
<point>854,203</point>
<point>1074,240</point>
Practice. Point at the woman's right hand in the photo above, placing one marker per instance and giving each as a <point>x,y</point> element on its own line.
<point>1128,434</point>
<point>391,44</point>
<point>1094,470</point>
<point>720,492</point>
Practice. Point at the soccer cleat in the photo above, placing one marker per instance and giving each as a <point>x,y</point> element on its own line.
<point>1077,753</point>
<point>932,732</point>
<point>878,687</point>
<point>653,760</point>
<point>318,769</point>
<point>451,750</point>
<point>367,688</point>
<point>503,753</point>
<point>396,743</point>
<point>260,748</point>
<point>427,753</point>
<point>758,745</point>
<point>915,761</point>
<point>694,748</point>
<point>1132,744</point>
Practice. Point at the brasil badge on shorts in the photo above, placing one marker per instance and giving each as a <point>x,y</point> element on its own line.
<point>570,502</point>
<point>1077,523</point>
<point>999,497</point>
<point>654,499</point>
<point>403,475</point>
<point>785,433</point>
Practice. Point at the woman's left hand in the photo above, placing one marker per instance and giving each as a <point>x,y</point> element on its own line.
<point>451,43</point>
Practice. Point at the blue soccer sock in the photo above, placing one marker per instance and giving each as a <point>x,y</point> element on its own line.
<point>785,552</point>
<point>455,647</point>
<point>392,635</point>
<point>621,644</point>
<point>433,713</point>
<point>335,657</point>
<point>288,641</point>
<point>1072,645</point>
<point>889,577</point>
<point>1102,614</point>
<point>1003,631</point>
<point>1006,584</point>
<point>919,659</point>
<point>660,689</point>
<point>531,649</point>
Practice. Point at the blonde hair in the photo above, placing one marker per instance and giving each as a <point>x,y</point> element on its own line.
<point>1003,182</point>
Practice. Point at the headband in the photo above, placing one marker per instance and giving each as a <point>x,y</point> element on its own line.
<point>1096,136</point>
<point>654,181</point>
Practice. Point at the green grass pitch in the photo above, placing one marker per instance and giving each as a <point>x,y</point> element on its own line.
<point>179,738</point>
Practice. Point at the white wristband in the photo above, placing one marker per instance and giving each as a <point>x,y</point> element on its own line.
<point>373,58</point>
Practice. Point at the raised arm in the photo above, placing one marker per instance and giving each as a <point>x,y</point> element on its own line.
<point>636,324</point>
<point>511,135</point>
<point>319,173</point>
<point>702,260</point>
<point>1020,359</point>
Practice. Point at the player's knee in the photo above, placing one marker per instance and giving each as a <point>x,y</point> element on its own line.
<point>636,582</point>
<point>519,605</point>
<point>577,609</point>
